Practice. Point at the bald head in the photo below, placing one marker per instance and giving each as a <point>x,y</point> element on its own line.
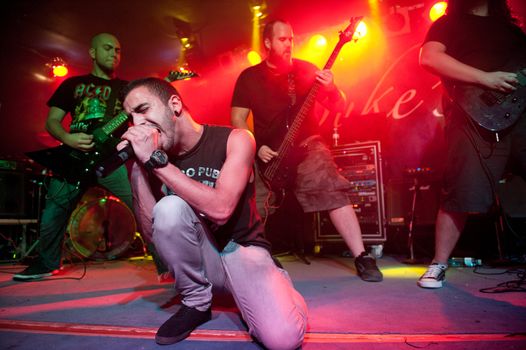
<point>101,38</point>
<point>105,51</point>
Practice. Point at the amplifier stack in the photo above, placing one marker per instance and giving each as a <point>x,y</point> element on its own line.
<point>360,163</point>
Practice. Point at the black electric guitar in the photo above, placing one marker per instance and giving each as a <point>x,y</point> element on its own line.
<point>76,166</point>
<point>279,173</point>
<point>493,110</point>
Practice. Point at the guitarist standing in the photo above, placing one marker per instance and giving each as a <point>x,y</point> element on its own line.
<point>272,91</point>
<point>471,46</point>
<point>91,100</point>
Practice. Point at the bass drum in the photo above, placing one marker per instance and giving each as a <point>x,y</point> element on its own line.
<point>102,226</point>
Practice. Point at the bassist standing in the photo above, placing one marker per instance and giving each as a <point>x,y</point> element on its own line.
<point>476,45</point>
<point>273,91</point>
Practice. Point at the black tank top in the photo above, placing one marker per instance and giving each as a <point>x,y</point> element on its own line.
<point>203,163</point>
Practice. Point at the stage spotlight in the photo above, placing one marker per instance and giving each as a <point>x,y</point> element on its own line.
<point>258,7</point>
<point>58,67</point>
<point>361,31</point>
<point>253,57</point>
<point>437,10</point>
<point>256,10</point>
<point>60,71</point>
<point>186,43</point>
<point>318,42</point>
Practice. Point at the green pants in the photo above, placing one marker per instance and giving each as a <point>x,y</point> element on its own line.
<point>61,200</point>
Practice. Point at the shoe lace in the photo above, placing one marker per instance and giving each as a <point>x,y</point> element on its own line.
<point>433,271</point>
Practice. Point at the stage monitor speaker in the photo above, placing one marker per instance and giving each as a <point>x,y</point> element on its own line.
<point>399,199</point>
<point>12,194</point>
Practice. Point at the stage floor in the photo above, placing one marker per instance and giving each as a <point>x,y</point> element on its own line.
<point>120,304</point>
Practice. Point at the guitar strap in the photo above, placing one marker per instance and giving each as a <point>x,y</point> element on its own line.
<point>291,90</point>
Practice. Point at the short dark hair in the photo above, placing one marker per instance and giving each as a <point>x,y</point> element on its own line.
<point>159,87</point>
<point>268,31</point>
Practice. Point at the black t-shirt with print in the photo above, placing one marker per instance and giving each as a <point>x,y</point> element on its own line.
<point>91,101</point>
<point>203,163</point>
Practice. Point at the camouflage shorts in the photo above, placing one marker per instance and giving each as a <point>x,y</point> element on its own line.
<point>319,185</point>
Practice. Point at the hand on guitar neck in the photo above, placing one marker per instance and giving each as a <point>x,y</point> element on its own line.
<point>265,153</point>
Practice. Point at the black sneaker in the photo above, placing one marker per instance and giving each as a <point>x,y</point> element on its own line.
<point>35,271</point>
<point>180,325</point>
<point>367,269</point>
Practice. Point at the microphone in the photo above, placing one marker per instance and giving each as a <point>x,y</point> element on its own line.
<point>115,161</point>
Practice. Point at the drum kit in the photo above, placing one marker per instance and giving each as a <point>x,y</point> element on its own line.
<point>101,227</point>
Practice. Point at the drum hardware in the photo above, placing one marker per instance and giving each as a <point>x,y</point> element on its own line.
<point>20,194</point>
<point>145,256</point>
<point>416,174</point>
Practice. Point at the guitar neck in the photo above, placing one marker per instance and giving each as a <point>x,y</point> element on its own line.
<point>115,123</point>
<point>293,131</point>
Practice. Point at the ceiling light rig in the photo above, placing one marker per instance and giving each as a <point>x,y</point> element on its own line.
<point>189,42</point>
<point>258,9</point>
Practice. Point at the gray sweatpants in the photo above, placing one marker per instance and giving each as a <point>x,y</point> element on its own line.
<point>274,311</point>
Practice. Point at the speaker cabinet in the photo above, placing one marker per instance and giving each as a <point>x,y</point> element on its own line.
<point>399,197</point>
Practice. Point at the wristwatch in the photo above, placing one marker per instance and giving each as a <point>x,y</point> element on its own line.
<point>158,159</point>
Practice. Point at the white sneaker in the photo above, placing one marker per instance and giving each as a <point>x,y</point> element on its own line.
<point>433,277</point>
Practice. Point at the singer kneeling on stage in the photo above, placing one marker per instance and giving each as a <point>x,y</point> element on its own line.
<point>194,185</point>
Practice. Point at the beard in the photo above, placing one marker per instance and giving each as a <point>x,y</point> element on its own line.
<point>281,60</point>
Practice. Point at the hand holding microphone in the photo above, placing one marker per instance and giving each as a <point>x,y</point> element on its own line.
<point>145,138</point>
<point>115,161</point>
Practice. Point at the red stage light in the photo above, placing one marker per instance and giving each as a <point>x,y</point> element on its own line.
<point>57,67</point>
<point>60,70</point>
<point>437,10</point>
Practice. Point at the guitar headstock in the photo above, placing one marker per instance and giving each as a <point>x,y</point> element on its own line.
<point>347,34</point>
<point>175,75</point>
